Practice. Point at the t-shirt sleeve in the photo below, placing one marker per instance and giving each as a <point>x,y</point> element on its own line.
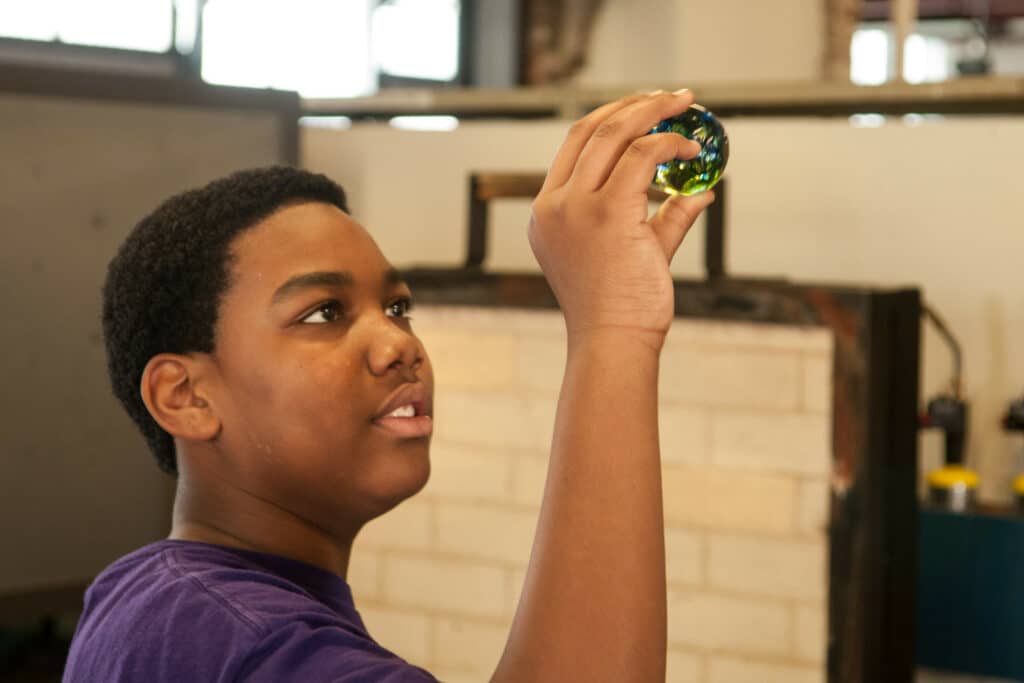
<point>314,653</point>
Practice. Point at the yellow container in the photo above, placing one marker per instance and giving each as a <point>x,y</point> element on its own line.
<point>1018,492</point>
<point>953,487</point>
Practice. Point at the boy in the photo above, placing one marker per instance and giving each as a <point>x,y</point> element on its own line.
<point>259,339</point>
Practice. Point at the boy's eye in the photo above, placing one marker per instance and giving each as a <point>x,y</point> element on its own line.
<point>327,312</point>
<point>400,308</point>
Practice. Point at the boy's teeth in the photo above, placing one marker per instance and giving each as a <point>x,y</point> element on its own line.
<point>404,411</point>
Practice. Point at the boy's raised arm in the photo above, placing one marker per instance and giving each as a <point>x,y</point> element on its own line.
<point>593,605</point>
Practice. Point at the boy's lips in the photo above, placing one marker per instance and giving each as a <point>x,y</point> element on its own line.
<point>420,424</point>
<point>407,427</point>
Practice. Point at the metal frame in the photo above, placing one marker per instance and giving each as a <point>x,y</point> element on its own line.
<point>485,187</point>
<point>873,517</point>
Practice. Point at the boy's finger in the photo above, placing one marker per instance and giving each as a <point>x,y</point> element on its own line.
<point>565,159</point>
<point>676,216</point>
<point>613,136</point>
<point>635,168</point>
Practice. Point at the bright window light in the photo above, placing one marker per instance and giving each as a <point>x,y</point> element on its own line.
<point>925,59</point>
<point>319,48</point>
<point>417,38</point>
<point>331,122</point>
<point>188,15</point>
<point>429,123</point>
<point>29,19</point>
<point>128,24</point>
<point>869,57</point>
<point>867,120</point>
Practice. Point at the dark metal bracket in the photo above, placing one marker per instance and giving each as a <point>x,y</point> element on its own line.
<point>484,187</point>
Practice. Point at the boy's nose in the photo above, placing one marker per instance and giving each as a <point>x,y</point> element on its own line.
<point>395,349</point>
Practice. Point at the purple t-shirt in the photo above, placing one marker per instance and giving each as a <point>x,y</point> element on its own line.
<point>184,611</point>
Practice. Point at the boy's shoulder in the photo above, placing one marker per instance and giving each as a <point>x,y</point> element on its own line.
<point>182,610</point>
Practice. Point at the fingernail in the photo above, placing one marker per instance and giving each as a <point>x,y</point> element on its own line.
<point>656,92</point>
<point>681,91</point>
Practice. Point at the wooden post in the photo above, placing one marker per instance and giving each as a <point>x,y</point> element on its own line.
<point>904,17</point>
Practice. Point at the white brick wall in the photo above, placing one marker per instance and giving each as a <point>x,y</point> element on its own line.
<point>486,533</point>
<point>456,586</point>
<point>791,443</point>
<point>729,499</point>
<point>711,621</point>
<point>767,566</point>
<point>470,646</point>
<point>737,378</point>
<point>408,526</point>
<point>408,631</point>
<point>469,474</point>
<point>745,438</point>
<point>731,670</point>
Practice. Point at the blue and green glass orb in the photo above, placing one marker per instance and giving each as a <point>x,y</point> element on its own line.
<point>690,176</point>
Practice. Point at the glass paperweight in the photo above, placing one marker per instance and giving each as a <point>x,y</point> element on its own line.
<point>690,176</point>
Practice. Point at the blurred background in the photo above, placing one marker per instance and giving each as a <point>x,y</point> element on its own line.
<point>875,143</point>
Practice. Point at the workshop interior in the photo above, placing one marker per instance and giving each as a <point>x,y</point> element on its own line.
<point>842,392</point>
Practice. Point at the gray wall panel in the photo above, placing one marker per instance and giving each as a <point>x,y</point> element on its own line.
<point>78,487</point>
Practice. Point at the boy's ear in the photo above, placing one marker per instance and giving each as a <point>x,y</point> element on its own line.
<point>174,398</point>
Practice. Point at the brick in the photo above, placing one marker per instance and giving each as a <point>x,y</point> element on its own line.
<point>717,622</point>
<point>728,499</point>
<point>463,473</point>
<point>462,587</point>
<point>406,527</point>
<point>750,336</point>
<point>813,507</point>
<point>683,667</point>
<point>729,670</point>
<point>731,377</point>
<point>542,412</point>
<point>797,444</point>
<point>472,646</point>
<point>465,359</point>
<point>541,363</point>
<point>486,533</point>
<point>404,632</point>
<point>781,568</point>
<point>817,381</point>
<point>683,434</point>
<point>528,478</point>
<point>364,574</point>
<point>493,419</point>
<point>516,579</point>
<point>811,632</point>
<point>684,556</point>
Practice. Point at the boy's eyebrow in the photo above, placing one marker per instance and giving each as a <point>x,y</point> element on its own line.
<point>328,278</point>
<point>320,278</point>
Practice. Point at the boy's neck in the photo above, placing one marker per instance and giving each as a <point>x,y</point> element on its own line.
<point>228,516</point>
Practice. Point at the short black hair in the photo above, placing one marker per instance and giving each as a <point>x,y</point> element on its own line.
<point>165,284</point>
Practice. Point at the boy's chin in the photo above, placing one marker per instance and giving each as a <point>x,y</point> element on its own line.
<point>400,481</point>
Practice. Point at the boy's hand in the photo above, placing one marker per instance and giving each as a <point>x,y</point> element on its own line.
<point>607,263</point>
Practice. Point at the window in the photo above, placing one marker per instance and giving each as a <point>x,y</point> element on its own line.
<point>143,25</point>
<point>320,48</point>
<point>329,48</point>
<point>417,39</point>
<point>926,58</point>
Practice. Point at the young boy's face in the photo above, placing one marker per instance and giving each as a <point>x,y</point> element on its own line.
<point>312,343</point>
